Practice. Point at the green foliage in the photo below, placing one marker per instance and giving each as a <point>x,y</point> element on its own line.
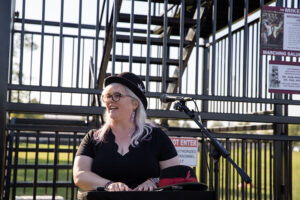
<point>294,129</point>
<point>22,96</point>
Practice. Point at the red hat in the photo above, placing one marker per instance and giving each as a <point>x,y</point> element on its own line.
<point>179,177</point>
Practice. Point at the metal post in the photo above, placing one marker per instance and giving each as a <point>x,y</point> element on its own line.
<point>279,147</point>
<point>5,19</point>
<point>205,75</point>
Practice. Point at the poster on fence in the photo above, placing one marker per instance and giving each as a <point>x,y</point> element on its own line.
<point>280,31</point>
<point>284,77</point>
<point>187,149</point>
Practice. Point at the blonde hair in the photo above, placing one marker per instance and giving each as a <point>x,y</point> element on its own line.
<point>143,129</point>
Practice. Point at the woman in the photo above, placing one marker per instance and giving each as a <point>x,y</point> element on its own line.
<point>126,154</point>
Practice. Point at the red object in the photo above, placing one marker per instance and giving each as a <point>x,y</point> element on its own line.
<point>171,181</point>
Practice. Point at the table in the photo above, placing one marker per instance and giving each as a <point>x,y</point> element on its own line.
<point>155,195</point>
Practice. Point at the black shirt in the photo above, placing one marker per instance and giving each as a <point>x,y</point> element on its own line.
<point>133,168</point>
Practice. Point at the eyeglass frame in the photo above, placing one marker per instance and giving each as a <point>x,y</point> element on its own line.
<point>112,97</point>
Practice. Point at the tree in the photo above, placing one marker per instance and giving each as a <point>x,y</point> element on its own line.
<point>22,96</point>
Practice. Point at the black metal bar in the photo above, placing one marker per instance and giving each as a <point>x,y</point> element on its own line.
<point>259,171</point>
<point>290,170</point>
<point>229,75</point>
<point>197,46</point>
<point>47,162</point>
<point>182,13</point>
<point>107,20</point>
<point>5,21</point>
<point>165,48</point>
<point>31,61</point>
<point>223,74</point>
<point>82,68</point>
<point>79,44</point>
<point>251,166</point>
<point>57,35</point>
<point>115,21</point>
<point>42,43</point>
<point>55,162</point>
<point>16,156</point>
<point>234,185</point>
<point>239,83</point>
<point>22,44</point>
<point>255,168</point>
<point>246,50</point>
<point>154,94</point>
<point>258,60</point>
<point>69,162</point>
<point>235,72</point>
<point>54,89</point>
<point>252,79</point>
<point>131,36</point>
<point>211,168</point>
<point>217,75</point>
<point>26,160</point>
<point>265,170</point>
<point>9,164</point>
<point>271,171</point>
<point>214,28</point>
<point>227,174</point>
<point>98,24</point>
<point>74,153</point>
<point>36,162</point>
<point>60,59</point>
<point>148,46</point>
<point>243,154</point>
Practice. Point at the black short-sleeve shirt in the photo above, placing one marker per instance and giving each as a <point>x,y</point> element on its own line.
<point>133,168</point>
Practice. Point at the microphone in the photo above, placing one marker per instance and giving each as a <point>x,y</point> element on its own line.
<point>168,98</point>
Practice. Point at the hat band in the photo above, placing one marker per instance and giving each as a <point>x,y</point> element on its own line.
<point>171,181</point>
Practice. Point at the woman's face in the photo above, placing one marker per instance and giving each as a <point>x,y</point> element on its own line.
<point>119,110</point>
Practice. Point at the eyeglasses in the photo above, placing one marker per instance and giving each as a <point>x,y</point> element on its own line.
<point>115,97</point>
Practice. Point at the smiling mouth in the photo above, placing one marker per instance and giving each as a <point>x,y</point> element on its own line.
<point>111,108</point>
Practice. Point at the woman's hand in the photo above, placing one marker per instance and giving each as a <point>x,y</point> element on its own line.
<point>148,185</point>
<point>117,186</point>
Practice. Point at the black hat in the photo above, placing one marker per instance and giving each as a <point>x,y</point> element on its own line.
<point>132,81</point>
<point>179,177</point>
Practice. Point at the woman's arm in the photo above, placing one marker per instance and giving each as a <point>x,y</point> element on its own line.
<point>84,177</point>
<point>149,185</point>
<point>169,163</point>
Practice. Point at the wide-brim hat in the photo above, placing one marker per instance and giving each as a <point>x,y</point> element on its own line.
<point>179,177</point>
<point>132,81</point>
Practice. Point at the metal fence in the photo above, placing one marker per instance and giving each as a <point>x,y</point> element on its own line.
<point>62,58</point>
<point>40,161</point>
<point>57,54</point>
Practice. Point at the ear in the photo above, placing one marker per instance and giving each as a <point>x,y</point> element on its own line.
<point>135,104</point>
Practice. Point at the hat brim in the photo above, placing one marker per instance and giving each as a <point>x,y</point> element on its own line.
<point>130,85</point>
<point>185,186</point>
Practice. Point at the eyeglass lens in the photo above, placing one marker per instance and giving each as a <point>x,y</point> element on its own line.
<point>115,97</point>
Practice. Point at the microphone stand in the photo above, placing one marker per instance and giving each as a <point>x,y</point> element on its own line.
<point>219,149</point>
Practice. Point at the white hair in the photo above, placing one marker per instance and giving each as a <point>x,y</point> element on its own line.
<point>143,129</point>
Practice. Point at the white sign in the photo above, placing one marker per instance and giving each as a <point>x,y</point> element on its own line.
<point>280,31</point>
<point>284,77</point>
<point>291,40</point>
<point>187,149</point>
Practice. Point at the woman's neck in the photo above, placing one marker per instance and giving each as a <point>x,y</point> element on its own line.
<point>122,129</point>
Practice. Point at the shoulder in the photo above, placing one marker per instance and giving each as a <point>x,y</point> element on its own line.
<point>92,133</point>
<point>157,132</point>
<point>91,136</point>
